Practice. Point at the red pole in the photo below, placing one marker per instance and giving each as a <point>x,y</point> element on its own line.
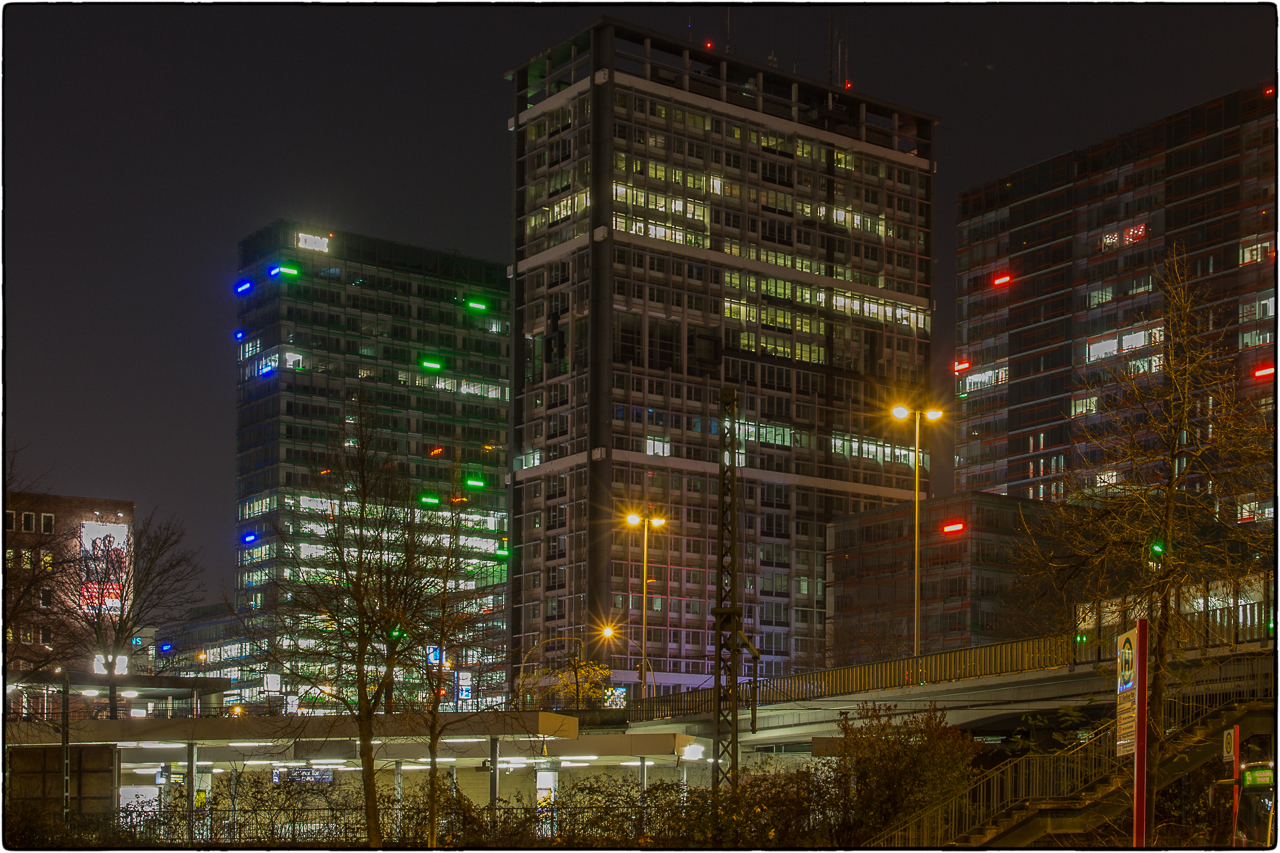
<point>1140,739</point>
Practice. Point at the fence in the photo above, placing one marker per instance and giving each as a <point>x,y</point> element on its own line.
<point>1203,630</point>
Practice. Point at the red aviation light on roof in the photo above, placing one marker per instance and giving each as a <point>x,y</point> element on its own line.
<point>848,84</point>
<point>953,527</point>
<point>1271,90</point>
<point>1002,278</point>
<point>1264,371</point>
<point>708,45</point>
<point>962,366</point>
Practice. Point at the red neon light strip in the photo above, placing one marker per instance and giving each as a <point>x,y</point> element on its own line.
<point>1004,279</point>
<point>952,528</point>
<point>1264,371</point>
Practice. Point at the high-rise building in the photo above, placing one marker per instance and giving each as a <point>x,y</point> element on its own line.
<point>968,546</point>
<point>422,333</point>
<point>688,220</point>
<point>1054,277</point>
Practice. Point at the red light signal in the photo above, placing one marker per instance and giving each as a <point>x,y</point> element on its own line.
<point>708,45</point>
<point>436,451</point>
<point>1264,371</point>
<point>1271,90</point>
<point>953,527</point>
<point>848,84</point>
<point>1003,278</point>
<point>961,366</point>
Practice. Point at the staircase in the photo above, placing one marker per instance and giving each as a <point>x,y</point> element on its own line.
<point>1076,789</point>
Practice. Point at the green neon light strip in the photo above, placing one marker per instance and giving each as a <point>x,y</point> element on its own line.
<point>289,271</point>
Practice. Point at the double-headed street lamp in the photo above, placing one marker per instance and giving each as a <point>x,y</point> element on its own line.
<point>649,521</point>
<point>902,413</point>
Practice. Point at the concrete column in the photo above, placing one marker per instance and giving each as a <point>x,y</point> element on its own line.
<point>644,774</point>
<point>191,791</point>
<point>493,784</point>
<point>399,792</point>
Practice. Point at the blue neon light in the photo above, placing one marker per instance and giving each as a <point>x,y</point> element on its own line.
<point>274,271</point>
<point>249,537</point>
<point>243,286</point>
<point>239,336</point>
<point>266,368</point>
<point>165,648</point>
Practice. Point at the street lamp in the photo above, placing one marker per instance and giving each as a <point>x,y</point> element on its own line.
<point>649,521</point>
<point>609,633</point>
<point>902,413</point>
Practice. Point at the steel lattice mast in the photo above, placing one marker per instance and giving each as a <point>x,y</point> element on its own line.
<point>727,612</point>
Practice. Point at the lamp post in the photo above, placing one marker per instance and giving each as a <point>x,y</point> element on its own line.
<point>902,413</point>
<point>609,632</point>
<point>649,521</point>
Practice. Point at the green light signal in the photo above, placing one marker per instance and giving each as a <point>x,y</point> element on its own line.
<point>428,364</point>
<point>1157,548</point>
<point>288,270</point>
<point>479,306</point>
<point>430,499</point>
<point>475,484</point>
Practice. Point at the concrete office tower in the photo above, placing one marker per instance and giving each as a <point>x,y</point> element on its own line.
<point>1054,267</point>
<point>323,313</point>
<point>687,220</point>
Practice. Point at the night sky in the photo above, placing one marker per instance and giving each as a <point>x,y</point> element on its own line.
<point>141,143</point>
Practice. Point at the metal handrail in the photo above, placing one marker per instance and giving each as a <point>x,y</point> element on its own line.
<point>1205,629</point>
<point>1068,773</point>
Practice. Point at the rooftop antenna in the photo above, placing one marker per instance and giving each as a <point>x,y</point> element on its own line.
<point>831,46</point>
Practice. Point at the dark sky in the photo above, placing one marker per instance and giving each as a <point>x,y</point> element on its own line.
<point>142,142</point>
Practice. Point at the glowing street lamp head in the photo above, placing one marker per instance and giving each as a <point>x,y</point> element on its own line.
<point>607,632</point>
<point>633,519</point>
<point>901,412</point>
<point>933,414</point>
<point>657,522</point>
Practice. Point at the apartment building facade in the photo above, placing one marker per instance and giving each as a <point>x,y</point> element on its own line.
<point>685,221</point>
<point>1054,278</point>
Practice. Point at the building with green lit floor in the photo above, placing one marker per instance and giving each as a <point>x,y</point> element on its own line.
<point>424,335</point>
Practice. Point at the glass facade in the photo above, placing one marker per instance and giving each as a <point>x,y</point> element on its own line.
<point>1054,278</point>
<point>324,313</point>
<point>684,221</point>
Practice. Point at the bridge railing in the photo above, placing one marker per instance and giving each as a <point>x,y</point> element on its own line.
<point>1224,627</point>
<point>1194,695</point>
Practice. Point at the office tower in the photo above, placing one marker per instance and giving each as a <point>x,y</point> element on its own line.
<point>423,334</point>
<point>688,220</point>
<point>1054,271</point>
<point>968,545</point>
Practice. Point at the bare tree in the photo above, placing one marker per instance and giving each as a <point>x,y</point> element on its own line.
<point>376,605</point>
<point>1165,472</point>
<point>120,588</point>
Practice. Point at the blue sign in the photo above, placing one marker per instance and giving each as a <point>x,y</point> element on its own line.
<point>434,656</point>
<point>464,692</point>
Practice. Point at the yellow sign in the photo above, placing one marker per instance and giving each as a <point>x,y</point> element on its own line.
<point>1126,696</point>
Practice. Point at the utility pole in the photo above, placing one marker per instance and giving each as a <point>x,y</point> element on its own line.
<point>66,746</point>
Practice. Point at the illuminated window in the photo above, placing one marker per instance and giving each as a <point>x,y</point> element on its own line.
<point>1253,253</point>
<point>1108,478</point>
<point>1083,406</point>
